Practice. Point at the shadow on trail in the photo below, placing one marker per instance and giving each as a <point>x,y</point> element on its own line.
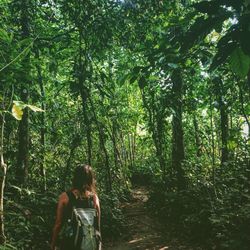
<point>144,231</point>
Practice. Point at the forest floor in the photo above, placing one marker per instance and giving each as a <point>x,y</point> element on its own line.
<point>143,230</point>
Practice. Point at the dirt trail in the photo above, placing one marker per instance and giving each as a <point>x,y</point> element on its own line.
<point>144,231</point>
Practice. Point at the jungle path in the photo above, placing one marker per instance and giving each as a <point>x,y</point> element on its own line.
<point>143,230</point>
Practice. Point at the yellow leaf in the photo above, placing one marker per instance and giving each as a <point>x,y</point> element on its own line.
<point>34,108</point>
<point>17,112</point>
<point>19,104</point>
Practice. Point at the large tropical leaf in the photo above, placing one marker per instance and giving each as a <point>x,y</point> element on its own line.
<point>209,7</point>
<point>222,55</point>
<point>240,63</point>
<point>213,7</point>
<point>244,35</point>
<point>245,41</point>
<point>201,28</point>
<point>226,45</point>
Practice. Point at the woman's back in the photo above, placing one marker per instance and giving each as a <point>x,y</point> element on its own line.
<point>77,208</point>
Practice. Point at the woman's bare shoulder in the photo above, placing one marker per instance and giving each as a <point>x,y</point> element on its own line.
<point>63,198</point>
<point>96,198</point>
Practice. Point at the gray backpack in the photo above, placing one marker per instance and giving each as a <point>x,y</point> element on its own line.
<point>85,232</point>
<point>81,229</point>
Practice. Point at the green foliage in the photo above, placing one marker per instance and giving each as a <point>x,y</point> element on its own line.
<point>7,247</point>
<point>213,217</point>
<point>229,18</point>
<point>30,214</point>
<point>240,63</point>
<point>112,223</point>
<point>103,73</point>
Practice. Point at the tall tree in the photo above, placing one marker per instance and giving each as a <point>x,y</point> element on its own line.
<point>43,118</point>
<point>23,131</point>
<point>178,155</point>
<point>3,170</point>
<point>218,85</point>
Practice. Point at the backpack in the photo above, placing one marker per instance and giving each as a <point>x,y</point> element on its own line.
<point>80,230</point>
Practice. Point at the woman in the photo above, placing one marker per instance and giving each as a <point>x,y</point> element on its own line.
<point>83,194</point>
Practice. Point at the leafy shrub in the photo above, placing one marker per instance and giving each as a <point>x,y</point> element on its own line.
<point>216,216</point>
<point>112,217</point>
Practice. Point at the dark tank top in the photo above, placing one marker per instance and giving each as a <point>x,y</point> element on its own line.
<point>84,202</point>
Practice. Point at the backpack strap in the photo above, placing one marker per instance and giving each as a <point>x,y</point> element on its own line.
<point>71,204</point>
<point>72,198</point>
<point>91,202</point>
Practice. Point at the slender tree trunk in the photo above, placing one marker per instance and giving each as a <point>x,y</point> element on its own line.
<point>224,135</point>
<point>43,122</point>
<point>223,121</point>
<point>213,144</point>
<point>103,147</point>
<point>113,138</point>
<point>177,130</point>
<point>23,147</point>
<point>242,107</point>
<point>160,141</point>
<point>123,149</point>
<point>74,145</point>
<point>87,124</point>
<point>3,170</point>
<point>197,136</point>
<point>23,144</point>
<point>156,127</point>
<point>133,146</point>
<point>85,96</point>
<point>130,150</point>
<point>248,82</point>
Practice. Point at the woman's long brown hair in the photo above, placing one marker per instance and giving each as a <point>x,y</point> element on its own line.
<point>84,179</point>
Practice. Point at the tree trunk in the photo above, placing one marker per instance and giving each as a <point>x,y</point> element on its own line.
<point>103,148</point>
<point>223,120</point>
<point>87,125</point>
<point>134,145</point>
<point>84,92</point>
<point>43,122</point>
<point>129,136</point>
<point>212,135</point>
<point>224,134</point>
<point>124,153</point>
<point>23,144</point>
<point>248,82</point>
<point>242,108</point>
<point>177,130</point>
<point>74,145</point>
<point>3,170</point>
<point>160,141</point>
<point>156,127</point>
<point>197,136</point>
<point>113,136</point>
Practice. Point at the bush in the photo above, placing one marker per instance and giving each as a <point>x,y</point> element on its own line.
<point>215,216</point>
